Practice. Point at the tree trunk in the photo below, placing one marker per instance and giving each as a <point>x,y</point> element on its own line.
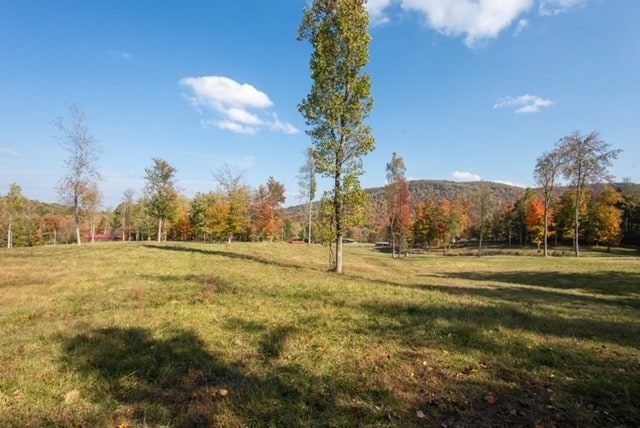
<point>159,230</point>
<point>78,240</point>
<point>338,268</point>
<point>546,223</point>
<point>55,236</point>
<point>9,237</point>
<point>337,203</point>
<point>577,244</point>
<point>309,234</point>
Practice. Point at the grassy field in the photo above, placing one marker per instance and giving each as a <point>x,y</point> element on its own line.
<point>262,335</point>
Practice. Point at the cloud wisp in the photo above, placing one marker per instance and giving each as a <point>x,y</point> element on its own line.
<point>465,176</point>
<point>556,7</point>
<point>8,152</point>
<point>236,107</point>
<point>524,104</point>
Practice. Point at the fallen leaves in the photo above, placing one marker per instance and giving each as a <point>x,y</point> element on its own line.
<point>491,399</point>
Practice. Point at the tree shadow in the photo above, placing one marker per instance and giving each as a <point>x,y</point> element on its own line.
<point>227,254</point>
<point>604,382</point>
<point>168,379</point>
<point>174,380</point>
<point>608,283</point>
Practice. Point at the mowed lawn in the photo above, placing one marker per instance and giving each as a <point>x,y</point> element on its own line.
<point>183,334</point>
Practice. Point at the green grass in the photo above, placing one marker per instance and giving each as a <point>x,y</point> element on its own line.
<point>262,335</point>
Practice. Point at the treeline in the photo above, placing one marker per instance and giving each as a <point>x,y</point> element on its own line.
<point>610,216</point>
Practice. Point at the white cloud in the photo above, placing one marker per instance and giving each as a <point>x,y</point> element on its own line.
<point>523,24</point>
<point>510,183</point>
<point>556,7</point>
<point>478,20</point>
<point>231,103</point>
<point>524,103</point>
<point>277,125</point>
<point>465,176</point>
<point>376,10</point>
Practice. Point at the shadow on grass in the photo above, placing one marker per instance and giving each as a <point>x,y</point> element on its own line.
<point>227,254</point>
<point>138,378</point>
<point>591,384</point>
<point>608,283</point>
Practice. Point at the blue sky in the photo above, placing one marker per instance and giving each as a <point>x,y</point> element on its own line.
<point>464,89</point>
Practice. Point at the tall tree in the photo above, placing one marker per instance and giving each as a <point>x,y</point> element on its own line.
<point>585,160</point>
<point>14,203</point>
<point>82,176</point>
<point>340,98</point>
<point>161,192</point>
<point>398,209</point>
<point>308,185</point>
<point>546,174</point>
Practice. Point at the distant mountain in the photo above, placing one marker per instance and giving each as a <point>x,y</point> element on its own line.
<point>421,190</point>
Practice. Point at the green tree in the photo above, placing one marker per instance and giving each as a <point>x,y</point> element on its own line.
<point>161,193</point>
<point>546,175</point>
<point>80,181</point>
<point>200,215</point>
<point>585,161</point>
<point>308,186</point>
<point>340,99</point>
<point>14,204</point>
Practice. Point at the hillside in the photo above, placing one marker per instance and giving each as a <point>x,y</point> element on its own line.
<point>421,190</point>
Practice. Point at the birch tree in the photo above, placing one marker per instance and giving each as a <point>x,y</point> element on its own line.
<point>546,175</point>
<point>308,186</point>
<point>340,99</point>
<point>398,209</point>
<point>82,176</point>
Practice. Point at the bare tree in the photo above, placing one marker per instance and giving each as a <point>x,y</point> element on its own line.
<point>585,160</point>
<point>82,175</point>
<point>127,204</point>
<point>397,193</point>
<point>546,174</point>
<point>307,185</point>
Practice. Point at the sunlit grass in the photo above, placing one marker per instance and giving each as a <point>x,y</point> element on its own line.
<point>262,334</point>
